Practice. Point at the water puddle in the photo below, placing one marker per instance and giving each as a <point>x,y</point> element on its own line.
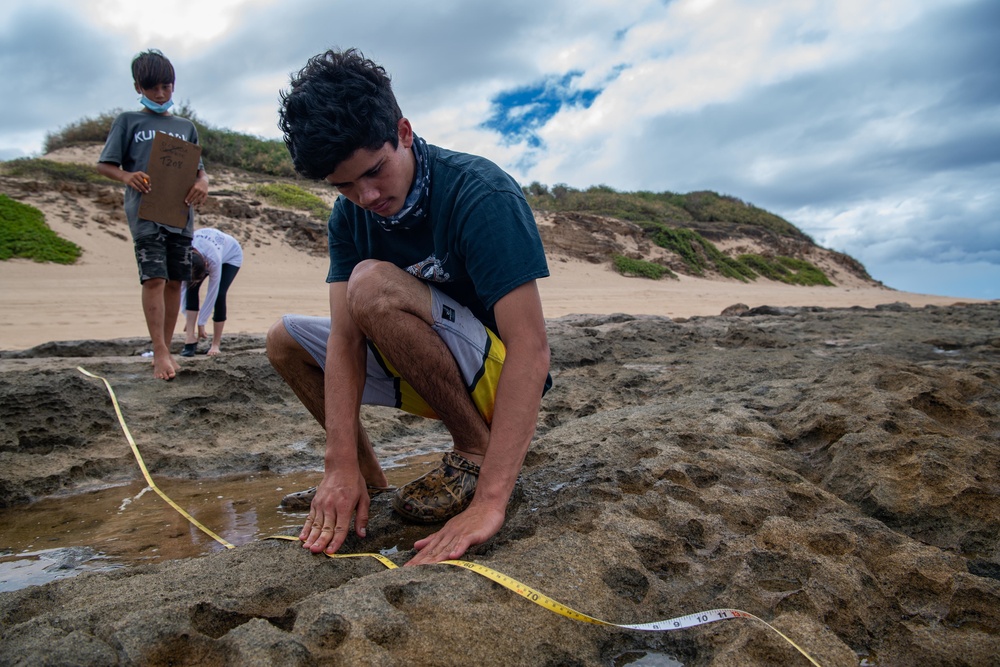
<point>60,537</point>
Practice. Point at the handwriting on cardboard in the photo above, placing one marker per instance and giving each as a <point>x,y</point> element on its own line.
<point>172,169</point>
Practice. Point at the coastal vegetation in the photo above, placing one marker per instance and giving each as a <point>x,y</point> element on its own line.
<point>219,146</point>
<point>23,233</point>
<point>682,224</point>
<point>290,195</point>
<point>62,172</point>
<point>640,268</point>
<point>657,209</point>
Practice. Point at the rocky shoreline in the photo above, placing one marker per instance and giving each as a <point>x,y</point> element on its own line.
<point>834,471</point>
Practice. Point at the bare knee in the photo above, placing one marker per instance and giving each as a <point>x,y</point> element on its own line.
<point>371,276</point>
<point>374,289</point>
<point>279,344</point>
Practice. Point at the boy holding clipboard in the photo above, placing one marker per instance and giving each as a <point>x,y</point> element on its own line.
<point>148,148</point>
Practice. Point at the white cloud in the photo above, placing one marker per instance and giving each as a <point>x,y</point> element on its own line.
<point>183,24</point>
<point>871,124</point>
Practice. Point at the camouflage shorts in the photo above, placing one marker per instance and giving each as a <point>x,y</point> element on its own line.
<point>163,255</point>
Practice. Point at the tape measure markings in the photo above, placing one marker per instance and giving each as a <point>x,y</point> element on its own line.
<point>679,623</point>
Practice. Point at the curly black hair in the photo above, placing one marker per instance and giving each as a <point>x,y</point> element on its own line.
<point>338,103</point>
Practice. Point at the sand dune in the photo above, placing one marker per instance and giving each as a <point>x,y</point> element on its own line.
<point>98,298</point>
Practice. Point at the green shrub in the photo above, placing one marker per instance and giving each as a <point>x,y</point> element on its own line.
<point>220,147</point>
<point>292,196</point>
<point>764,267</point>
<point>56,171</point>
<point>666,219</point>
<point>226,148</point>
<point>688,244</point>
<point>804,273</point>
<point>698,253</point>
<point>786,269</point>
<point>657,208</point>
<point>637,207</point>
<point>23,233</point>
<point>86,130</point>
<point>242,151</point>
<point>707,206</point>
<point>733,268</point>
<point>640,268</point>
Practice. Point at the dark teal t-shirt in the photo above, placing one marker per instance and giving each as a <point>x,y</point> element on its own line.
<point>478,243</point>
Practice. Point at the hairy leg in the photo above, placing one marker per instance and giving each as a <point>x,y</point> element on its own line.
<point>154,310</point>
<point>393,309</point>
<point>305,378</point>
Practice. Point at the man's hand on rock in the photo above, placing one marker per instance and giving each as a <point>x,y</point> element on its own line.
<point>339,497</point>
<point>475,525</point>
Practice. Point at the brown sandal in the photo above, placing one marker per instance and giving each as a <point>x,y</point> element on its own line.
<point>440,494</point>
<point>302,500</point>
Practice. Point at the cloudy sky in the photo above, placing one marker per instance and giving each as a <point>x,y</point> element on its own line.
<point>872,125</point>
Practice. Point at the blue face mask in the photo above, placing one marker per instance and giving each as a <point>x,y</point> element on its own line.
<point>154,107</point>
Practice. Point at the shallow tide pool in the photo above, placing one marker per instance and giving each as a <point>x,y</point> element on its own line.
<point>60,537</point>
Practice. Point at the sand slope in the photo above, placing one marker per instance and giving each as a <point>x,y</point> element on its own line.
<point>98,298</point>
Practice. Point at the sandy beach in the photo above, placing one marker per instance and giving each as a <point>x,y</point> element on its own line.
<point>98,297</point>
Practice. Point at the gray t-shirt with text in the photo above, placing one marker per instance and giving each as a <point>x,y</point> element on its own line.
<point>129,144</point>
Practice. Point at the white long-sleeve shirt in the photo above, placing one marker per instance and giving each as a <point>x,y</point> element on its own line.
<point>217,248</point>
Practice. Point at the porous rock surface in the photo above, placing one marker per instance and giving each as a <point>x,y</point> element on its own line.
<point>834,472</point>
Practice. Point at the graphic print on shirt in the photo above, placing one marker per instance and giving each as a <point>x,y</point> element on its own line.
<point>149,135</point>
<point>430,269</point>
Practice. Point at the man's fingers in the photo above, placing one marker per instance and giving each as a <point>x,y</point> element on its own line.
<point>437,547</point>
<point>317,531</point>
<point>329,533</point>
<point>313,532</point>
<point>455,537</point>
<point>334,538</point>
<point>329,520</point>
<point>319,537</point>
<point>361,519</point>
<point>307,527</point>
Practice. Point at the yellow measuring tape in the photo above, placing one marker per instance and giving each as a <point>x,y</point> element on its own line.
<point>142,465</point>
<point>528,593</point>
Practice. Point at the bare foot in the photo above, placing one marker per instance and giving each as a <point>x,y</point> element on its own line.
<point>212,351</point>
<point>164,367</point>
<point>177,366</point>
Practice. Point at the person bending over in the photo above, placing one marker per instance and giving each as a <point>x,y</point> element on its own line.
<point>217,256</point>
<point>434,309</point>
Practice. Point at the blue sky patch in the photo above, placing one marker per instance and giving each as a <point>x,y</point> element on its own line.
<point>519,113</point>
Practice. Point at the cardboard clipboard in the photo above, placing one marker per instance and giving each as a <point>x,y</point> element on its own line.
<point>172,169</point>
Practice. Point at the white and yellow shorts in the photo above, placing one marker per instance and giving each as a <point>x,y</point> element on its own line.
<point>478,351</point>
